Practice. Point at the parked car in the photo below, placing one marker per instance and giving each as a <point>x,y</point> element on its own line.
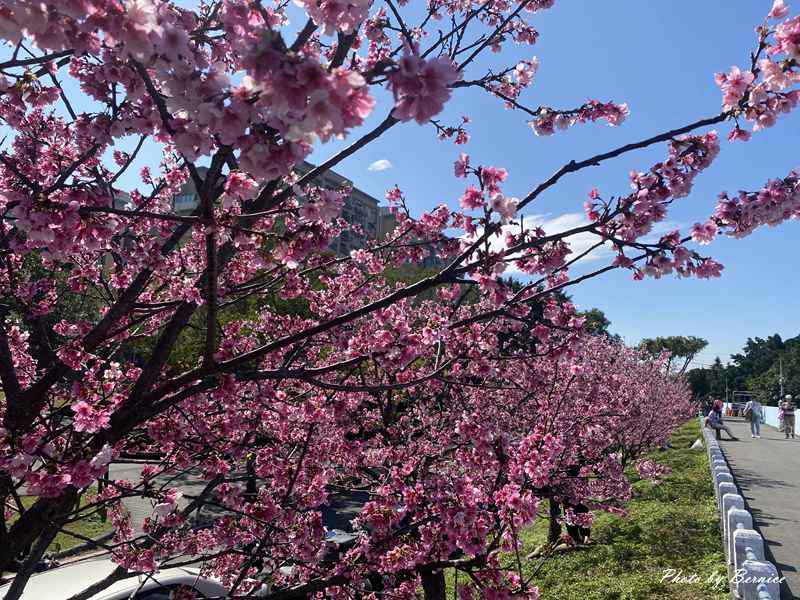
<point>65,581</point>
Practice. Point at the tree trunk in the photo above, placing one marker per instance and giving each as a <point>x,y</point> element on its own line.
<point>433,585</point>
<point>31,562</point>
<point>44,516</point>
<point>554,531</point>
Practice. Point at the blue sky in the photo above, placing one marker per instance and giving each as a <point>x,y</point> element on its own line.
<point>660,58</point>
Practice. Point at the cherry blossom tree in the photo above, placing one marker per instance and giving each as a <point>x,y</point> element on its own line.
<point>455,402</point>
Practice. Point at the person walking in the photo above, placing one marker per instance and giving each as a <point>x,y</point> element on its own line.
<point>716,422</point>
<point>788,416</point>
<point>753,413</point>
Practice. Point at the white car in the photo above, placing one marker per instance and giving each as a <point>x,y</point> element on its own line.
<point>64,582</point>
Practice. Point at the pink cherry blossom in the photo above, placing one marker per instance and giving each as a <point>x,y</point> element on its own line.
<point>787,36</point>
<point>472,199</point>
<point>733,85</point>
<point>505,207</point>
<point>492,177</point>
<point>779,10</point>
<point>461,165</point>
<point>421,87</point>
<point>704,233</point>
<point>649,469</point>
<point>337,15</point>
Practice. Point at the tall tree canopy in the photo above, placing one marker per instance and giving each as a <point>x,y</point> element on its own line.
<point>766,383</point>
<point>596,322</point>
<point>682,349</point>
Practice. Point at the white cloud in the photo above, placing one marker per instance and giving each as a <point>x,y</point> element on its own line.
<point>380,165</point>
<point>579,243</point>
<point>663,228</point>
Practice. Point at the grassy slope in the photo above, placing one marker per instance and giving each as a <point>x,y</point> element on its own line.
<point>672,525</point>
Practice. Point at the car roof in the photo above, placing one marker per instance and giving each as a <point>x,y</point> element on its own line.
<point>65,581</point>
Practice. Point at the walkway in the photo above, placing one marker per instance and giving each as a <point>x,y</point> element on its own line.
<point>767,471</point>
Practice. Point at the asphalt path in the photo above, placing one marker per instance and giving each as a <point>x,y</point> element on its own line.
<point>767,472</point>
<point>341,509</point>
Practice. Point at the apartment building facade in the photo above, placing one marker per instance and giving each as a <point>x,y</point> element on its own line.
<point>360,208</point>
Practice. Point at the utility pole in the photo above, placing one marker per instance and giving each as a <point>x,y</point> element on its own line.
<point>780,377</point>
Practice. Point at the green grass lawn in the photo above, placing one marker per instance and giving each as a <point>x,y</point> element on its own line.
<point>91,527</point>
<point>669,526</point>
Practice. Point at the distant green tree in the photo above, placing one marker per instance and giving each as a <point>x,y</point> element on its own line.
<point>700,383</point>
<point>680,348</point>
<point>708,383</point>
<point>755,369</point>
<point>596,322</point>
<point>767,383</point>
<point>755,359</point>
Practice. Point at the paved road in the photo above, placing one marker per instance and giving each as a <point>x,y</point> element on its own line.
<point>143,507</point>
<point>767,471</point>
<point>338,514</point>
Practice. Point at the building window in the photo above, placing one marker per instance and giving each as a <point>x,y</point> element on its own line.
<point>185,202</point>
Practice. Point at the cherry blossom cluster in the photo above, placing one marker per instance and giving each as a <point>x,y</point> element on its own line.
<point>488,196</point>
<point>764,92</point>
<point>295,96</point>
<point>60,229</point>
<point>633,217</point>
<point>649,469</point>
<point>421,87</point>
<point>511,84</point>
<point>458,133</point>
<point>549,120</point>
<point>338,16</point>
<point>739,216</point>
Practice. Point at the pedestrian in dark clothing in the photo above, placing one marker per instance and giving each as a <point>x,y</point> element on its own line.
<point>716,422</point>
